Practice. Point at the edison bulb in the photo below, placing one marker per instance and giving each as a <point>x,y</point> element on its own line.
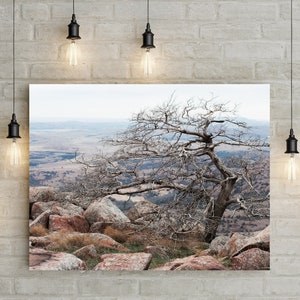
<point>148,63</point>
<point>73,53</point>
<point>14,153</point>
<point>292,168</point>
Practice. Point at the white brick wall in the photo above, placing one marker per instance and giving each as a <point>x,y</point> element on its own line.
<point>209,41</point>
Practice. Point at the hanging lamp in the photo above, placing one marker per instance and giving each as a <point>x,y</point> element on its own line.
<point>291,142</point>
<point>73,36</point>
<point>148,43</point>
<point>14,153</point>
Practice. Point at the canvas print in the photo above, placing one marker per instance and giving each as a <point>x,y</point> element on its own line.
<point>149,177</point>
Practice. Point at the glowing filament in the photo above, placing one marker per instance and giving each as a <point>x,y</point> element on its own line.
<point>73,53</point>
<point>292,168</point>
<point>147,63</point>
<point>14,153</point>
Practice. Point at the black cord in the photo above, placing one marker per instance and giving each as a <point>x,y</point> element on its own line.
<point>147,11</point>
<point>291,63</point>
<point>73,7</point>
<point>14,74</point>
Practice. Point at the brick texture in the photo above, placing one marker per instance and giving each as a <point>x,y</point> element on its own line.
<point>210,41</point>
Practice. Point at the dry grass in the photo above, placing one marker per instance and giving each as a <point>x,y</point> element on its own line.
<point>61,241</point>
<point>117,235</point>
<point>38,230</point>
<point>141,237</point>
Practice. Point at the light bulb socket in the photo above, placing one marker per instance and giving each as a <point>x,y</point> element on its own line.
<point>148,38</point>
<point>291,143</point>
<point>73,29</point>
<point>13,128</point>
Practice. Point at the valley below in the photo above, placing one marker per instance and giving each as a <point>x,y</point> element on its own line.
<point>127,228</point>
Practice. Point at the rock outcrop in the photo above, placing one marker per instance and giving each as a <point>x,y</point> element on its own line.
<point>67,209</point>
<point>86,252</point>
<point>246,252</point>
<point>260,240</point>
<point>68,226</point>
<point>44,194</point>
<point>40,259</point>
<point>103,210</point>
<point>40,207</point>
<point>40,241</point>
<point>42,219</point>
<point>68,223</point>
<point>142,209</point>
<point>98,227</point>
<point>128,261</point>
<point>238,243</point>
<point>62,209</point>
<point>252,259</point>
<point>218,244</point>
<point>193,263</point>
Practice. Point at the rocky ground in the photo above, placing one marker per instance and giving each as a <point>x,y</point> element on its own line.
<point>67,234</point>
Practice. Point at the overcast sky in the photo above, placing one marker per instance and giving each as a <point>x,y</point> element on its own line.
<point>101,102</point>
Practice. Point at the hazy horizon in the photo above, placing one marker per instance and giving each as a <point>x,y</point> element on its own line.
<point>109,102</point>
<point>95,121</point>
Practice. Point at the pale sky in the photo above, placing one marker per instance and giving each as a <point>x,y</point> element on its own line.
<point>101,102</point>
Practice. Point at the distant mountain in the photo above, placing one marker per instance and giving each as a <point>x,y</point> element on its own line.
<point>78,125</point>
<point>261,128</point>
<point>103,129</point>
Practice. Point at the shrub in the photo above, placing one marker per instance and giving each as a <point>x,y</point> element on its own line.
<point>45,194</point>
<point>38,230</point>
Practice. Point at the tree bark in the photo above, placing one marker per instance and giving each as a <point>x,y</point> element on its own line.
<point>215,209</point>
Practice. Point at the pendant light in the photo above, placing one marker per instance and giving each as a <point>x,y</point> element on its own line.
<point>73,36</point>
<point>148,40</point>
<point>291,142</point>
<point>14,153</point>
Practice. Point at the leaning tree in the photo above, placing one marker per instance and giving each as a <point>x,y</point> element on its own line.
<point>180,149</point>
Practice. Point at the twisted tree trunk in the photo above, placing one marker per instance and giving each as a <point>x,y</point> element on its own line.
<point>216,207</point>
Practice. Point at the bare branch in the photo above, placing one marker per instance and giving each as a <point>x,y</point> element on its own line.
<point>177,148</point>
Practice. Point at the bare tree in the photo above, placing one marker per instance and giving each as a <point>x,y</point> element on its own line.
<point>177,148</point>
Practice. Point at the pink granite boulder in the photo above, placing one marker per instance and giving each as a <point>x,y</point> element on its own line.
<point>40,259</point>
<point>68,223</point>
<point>125,261</point>
<point>252,259</point>
<point>193,263</point>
